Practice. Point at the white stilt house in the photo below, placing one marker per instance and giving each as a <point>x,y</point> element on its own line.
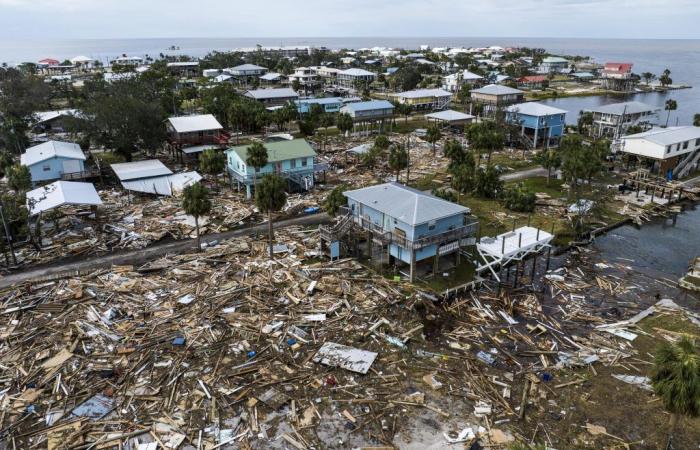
<point>515,245</point>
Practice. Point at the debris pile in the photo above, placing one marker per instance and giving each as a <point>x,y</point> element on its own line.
<point>226,348</point>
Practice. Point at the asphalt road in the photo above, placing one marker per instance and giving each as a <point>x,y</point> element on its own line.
<point>138,257</point>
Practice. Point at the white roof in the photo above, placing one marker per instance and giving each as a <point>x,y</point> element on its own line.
<point>245,67</point>
<point>272,93</point>
<point>51,149</point>
<point>668,136</point>
<point>271,76</point>
<point>405,204</point>
<point>183,64</point>
<point>625,107</point>
<point>535,109</point>
<point>61,193</point>
<point>466,75</point>
<point>221,78</point>
<point>418,93</point>
<point>356,72</point>
<point>495,89</point>
<point>202,122</point>
<point>44,116</point>
<point>81,59</point>
<point>140,169</point>
<point>449,116</point>
<point>163,185</point>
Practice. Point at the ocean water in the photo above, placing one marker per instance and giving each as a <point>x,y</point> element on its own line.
<point>682,57</point>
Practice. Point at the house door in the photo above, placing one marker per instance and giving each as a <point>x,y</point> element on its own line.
<point>278,167</point>
<point>71,166</point>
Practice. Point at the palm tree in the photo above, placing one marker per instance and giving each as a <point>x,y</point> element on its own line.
<point>196,203</point>
<point>671,105</point>
<point>398,159</point>
<point>212,162</point>
<point>648,77</point>
<point>269,199</point>
<point>433,135</point>
<point>344,122</point>
<point>257,159</point>
<point>676,379</point>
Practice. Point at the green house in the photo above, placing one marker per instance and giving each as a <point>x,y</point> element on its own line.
<point>292,160</point>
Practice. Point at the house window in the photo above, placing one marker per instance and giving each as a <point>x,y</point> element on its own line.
<point>668,149</point>
<point>697,142</point>
<point>304,162</point>
<point>293,163</point>
<point>431,225</point>
<point>46,167</point>
<point>685,144</point>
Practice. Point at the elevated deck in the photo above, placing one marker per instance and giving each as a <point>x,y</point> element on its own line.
<point>512,246</point>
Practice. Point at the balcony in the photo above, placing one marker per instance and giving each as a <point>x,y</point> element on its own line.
<point>388,237</point>
<point>89,173</point>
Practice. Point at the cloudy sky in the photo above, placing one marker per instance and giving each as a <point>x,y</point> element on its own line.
<point>56,19</point>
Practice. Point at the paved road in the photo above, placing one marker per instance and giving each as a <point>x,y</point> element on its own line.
<point>137,257</point>
<point>523,174</point>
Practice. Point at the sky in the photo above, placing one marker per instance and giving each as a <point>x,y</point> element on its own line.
<point>68,19</point>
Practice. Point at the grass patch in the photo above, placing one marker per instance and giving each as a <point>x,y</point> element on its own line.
<point>539,184</point>
<point>459,275</point>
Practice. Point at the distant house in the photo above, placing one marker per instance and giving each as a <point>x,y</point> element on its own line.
<point>455,81</point>
<point>329,104</point>
<point>413,225</point>
<point>195,130</point>
<point>369,112</point>
<point>271,78</point>
<point>495,96</point>
<point>53,159</point>
<point>613,121</point>
<point>425,99</point>
<point>533,81</point>
<point>306,76</point>
<point>246,70</point>
<point>354,78</point>
<point>450,118</point>
<point>128,61</point>
<point>671,152</point>
<point>617,76</point>
<point>273,97</point>
<point>553,64</point>
<point>53,121</point>
<point>293,160</point>
<point>541,125</point>
<point>184,68</point>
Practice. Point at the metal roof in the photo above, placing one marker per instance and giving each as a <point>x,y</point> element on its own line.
<point>244,67</point>
<point>355,72</point>
<point>449,115</point>
<point>272,93</point>
<point>51,149</point>
<point>495,89</point>
<point>140,169</point>
<point>163,185</point>
<point>555,59</point>
<point>320,101</point>
<point>202,122</point>
<point>61,193</point>
<point>419,93</point>
<point>535,109</point>
<point>44,116</point>
<point>668,136</point>
<point>369,105</point>
<point>625,107</point>
<point>279,150</point>
<point>183,64</point>
<point>405,204</point>
<point>466,75</point>
<point>271,76</point>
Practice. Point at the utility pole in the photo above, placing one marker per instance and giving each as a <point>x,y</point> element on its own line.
<point>7,235</point>
<point>408,158</point>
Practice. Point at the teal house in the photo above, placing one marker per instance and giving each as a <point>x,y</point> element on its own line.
<point>292,160</point>
<point>328,104</point>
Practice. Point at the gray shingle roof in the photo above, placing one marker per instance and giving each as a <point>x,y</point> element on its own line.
<point>495,89</point>
<point>405,204</point>
<point>626,107</point>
